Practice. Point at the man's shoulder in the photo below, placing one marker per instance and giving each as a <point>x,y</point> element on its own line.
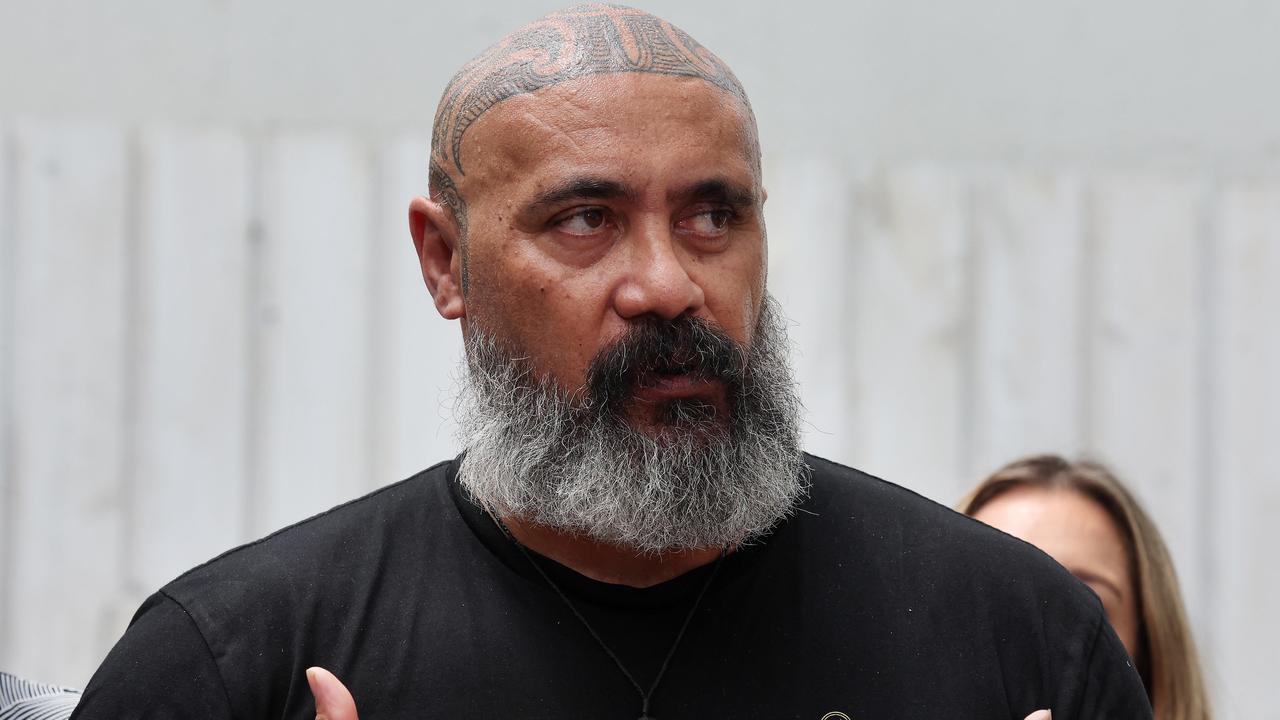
<point>878,521</point>
<point>248,621</point>
<point>954,584</point>
<point>852,501</point>
<point>349,538</point>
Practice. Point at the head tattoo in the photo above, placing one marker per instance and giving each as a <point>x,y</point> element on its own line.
<point>584,40</point>
<point>565,45</point>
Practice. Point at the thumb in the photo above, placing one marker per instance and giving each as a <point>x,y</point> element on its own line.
<point>333,700</point>
<point>1040,715</point>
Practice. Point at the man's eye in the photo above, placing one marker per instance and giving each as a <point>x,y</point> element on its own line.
<point>584,222</point>
<point>710,222</point>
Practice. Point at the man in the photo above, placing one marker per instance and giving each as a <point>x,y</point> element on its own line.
<point>633,530</point>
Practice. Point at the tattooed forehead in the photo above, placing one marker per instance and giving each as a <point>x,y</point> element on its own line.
<point>565,45</point>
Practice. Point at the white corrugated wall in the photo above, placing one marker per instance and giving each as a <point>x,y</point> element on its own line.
<point>209,333</point>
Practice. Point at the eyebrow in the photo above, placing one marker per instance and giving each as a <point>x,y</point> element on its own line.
<point>716,190</point>
<point>581,188</point>
<point>596,188</point>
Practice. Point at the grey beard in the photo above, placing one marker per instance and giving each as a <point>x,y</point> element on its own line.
<point>571,462</point>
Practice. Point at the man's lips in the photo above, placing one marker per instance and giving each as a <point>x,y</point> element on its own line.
<point>660,387</point>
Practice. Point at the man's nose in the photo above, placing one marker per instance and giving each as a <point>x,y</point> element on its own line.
<point>657,281</point>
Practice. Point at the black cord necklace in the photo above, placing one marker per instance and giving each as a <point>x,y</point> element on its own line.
<point>644,696</point>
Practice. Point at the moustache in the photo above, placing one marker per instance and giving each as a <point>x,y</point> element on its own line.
<point>652,347</point>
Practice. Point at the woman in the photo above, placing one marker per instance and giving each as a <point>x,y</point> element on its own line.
<point>1080,514</point>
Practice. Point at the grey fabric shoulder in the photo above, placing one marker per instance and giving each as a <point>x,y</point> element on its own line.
<point>25,700</point>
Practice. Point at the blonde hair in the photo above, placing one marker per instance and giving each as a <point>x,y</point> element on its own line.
<point>1166,655</point>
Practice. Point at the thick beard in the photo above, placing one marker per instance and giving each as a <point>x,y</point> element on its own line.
<point>572,461</point>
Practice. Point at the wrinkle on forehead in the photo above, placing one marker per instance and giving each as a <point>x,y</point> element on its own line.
<point>610,126</point>
<point>577,42</point>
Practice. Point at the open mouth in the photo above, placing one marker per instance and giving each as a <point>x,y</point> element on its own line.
<point>657,363</point>
<point>659,386</point>
<point>669,370</point>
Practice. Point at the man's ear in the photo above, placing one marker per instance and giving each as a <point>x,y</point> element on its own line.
<point>435,237</point>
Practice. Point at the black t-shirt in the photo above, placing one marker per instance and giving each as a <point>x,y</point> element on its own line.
<point>870,601</point>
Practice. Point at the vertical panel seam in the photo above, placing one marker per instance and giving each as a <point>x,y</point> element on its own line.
<point>376,298</point>
<point>132,327</point>
<point>1209,338</point>
<point>849,178</point>
<point>1088,314</point>
<point>869,178</point>
<point>8,262</point>
<point>255,237</point>
<point>971,271</point>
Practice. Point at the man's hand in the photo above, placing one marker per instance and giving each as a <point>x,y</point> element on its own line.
<point>333,700</point>
<point>1037,715</point>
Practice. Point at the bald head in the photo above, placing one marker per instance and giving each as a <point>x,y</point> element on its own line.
<point>581,41</point>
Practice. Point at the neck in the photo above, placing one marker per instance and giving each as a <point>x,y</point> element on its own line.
<point>604,562</point>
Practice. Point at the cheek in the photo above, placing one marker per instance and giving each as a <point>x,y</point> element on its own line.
<point>733,284</point>
<point>550,313</point>
<point>1121,612</point>
<point>1124,619</point>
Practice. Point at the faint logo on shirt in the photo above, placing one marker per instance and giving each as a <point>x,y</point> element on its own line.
<point>836,715</point>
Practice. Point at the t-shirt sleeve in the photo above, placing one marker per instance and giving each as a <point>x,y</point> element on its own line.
<point>1112,688</point>
<point>161,669</point>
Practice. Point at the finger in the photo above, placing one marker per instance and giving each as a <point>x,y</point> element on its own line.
<point>1040,715</point>
<point>333,700</point>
